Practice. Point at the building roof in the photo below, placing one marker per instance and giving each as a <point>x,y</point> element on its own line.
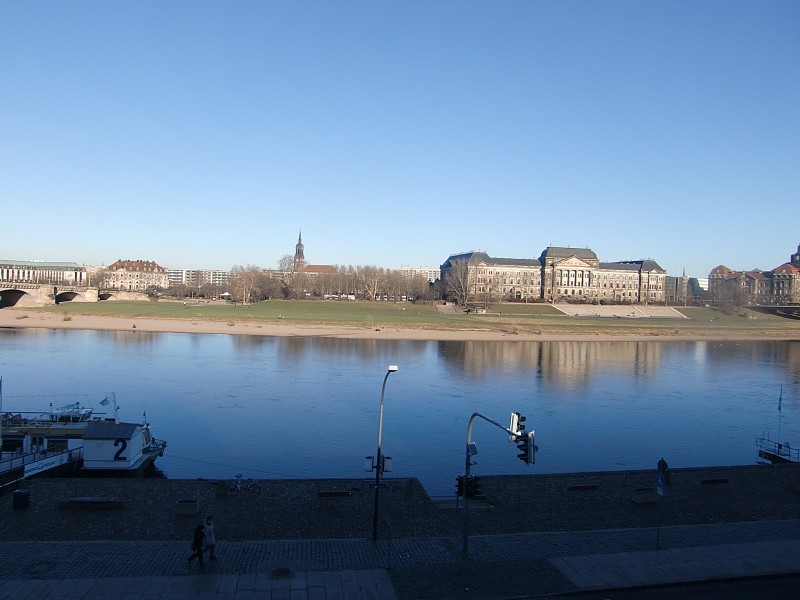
<point>786,269</point>
<point>477,257</point>
<point>40,264</point>
<point>633,265</point>
<point>561,252</point>
<point>720,270</point>
<point>104,430</point>
<point>137,265</point>
<point>319,269</point>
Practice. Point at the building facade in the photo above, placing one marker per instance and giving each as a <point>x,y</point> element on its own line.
<point>65,273</point>
<point>559,274</point>
<point>198,277</point>
<point>136,275</point>
<point>780,286</point>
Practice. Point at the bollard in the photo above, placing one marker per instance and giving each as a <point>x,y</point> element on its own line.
<point>21,499</point>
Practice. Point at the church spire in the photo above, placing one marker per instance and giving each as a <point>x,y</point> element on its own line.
<point>299,258</point>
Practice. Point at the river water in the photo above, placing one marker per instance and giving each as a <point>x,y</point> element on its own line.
<point>273,407</point>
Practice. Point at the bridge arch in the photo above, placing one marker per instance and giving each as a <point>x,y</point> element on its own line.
<point>70,296</point>
<point>11,297</point>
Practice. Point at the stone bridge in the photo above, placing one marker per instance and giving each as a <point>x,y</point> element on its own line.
<point>15,293</point>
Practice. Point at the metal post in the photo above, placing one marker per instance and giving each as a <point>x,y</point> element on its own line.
<point>379,460</point>
<point>467,465</point>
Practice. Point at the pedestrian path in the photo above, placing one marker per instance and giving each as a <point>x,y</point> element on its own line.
<point>362,569</point>
<point>323,585</point>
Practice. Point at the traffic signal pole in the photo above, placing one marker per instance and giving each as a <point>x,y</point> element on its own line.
<point>467,466</point>
<point>380,459</point>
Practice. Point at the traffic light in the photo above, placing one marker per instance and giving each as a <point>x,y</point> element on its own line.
<point>525,447</point>
<point>517,424</point>
<point>470,487</point>
<point>476,486</point>
<point>460,485</point>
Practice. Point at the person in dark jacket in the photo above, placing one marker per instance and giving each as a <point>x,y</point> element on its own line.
<point>663,469</point>
<point>197,544</point>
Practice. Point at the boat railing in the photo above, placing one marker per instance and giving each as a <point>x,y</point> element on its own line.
<point>779,449</point>
<point>41,420</point>
<point>14,460</point>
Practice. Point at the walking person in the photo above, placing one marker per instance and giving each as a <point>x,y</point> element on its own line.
<point>210,538</point>
<point>197,544</point>
<point>663,469</point>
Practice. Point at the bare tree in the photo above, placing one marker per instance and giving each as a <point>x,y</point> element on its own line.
<point>457,281</point>
<point>372,281</point>
<point>244,282</point>
<point>286,263</point>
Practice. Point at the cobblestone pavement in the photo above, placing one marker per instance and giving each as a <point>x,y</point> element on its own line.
<point>419,567</point>
<point>530,536</point>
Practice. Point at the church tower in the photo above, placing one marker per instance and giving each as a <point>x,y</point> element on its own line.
<point>299,259</point>
<point>795,260</point>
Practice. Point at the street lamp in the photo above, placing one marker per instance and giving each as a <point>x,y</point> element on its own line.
<point>379,460</point>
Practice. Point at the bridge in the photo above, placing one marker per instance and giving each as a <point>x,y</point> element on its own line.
<point>15,293</point>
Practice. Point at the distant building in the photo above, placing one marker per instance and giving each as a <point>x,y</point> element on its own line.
<point>314,270</point>
<point>34,271</point>
<point>560,274</point>
<point>136,275</point>
<point>198,277</point>
<point>779,286</point>
<point>428,273</point>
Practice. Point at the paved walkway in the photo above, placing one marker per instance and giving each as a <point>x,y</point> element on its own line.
<point>357,568</point>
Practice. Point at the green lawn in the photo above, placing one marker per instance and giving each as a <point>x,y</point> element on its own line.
<point>510,318</point>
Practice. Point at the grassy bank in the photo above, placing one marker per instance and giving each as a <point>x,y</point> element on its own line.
<point>507,318</point>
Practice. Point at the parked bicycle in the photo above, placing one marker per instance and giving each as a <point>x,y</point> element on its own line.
<point>240,485</point>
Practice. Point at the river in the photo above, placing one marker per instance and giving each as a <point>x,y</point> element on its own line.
<point>304,407</point>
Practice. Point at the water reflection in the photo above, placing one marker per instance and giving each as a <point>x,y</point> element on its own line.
<point>308,407</point>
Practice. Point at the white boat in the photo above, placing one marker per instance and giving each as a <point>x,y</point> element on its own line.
<point>74,439</point>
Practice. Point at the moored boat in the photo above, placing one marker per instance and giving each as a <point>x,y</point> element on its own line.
<point>774,452</point>
<point>73,439</point>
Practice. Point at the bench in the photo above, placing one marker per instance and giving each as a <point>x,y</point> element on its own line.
<point>583,488</point>
<point>714,481</point>
<point>334,494</point>
<point>92,502</point>
<point>187,506</point>
<point>645,496</point>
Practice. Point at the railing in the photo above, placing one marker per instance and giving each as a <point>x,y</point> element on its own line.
<point>29,461</point>
<point>782,452</point>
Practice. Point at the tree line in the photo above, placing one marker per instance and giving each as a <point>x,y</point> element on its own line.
<point>250,283</point>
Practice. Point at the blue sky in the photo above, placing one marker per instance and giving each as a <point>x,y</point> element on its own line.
<point>207,134</point>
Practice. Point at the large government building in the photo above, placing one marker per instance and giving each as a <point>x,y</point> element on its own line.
<point>559,274</point>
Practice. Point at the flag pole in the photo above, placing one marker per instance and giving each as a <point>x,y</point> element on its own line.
<point>780,399</point>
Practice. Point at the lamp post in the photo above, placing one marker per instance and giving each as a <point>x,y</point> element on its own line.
<point>379,460</point>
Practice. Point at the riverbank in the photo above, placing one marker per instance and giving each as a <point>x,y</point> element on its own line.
<point>580,330</point>
<point>163,509</point>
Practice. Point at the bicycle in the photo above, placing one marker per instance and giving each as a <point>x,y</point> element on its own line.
<point>239,485</point>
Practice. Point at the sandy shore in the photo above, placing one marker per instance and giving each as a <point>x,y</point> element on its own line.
<point>22,318</point>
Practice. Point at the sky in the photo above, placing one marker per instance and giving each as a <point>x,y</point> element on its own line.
<point>209,134</point>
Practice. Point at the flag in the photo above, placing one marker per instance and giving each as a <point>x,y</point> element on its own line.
<point>104,401</point>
